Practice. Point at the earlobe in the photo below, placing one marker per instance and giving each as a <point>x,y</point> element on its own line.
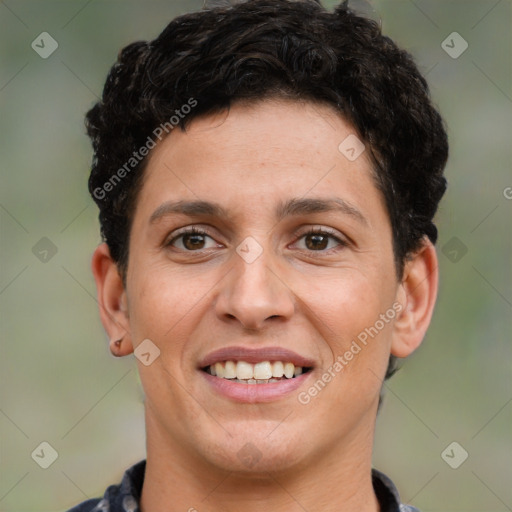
<point>417,294</point>
<point>112,301</point>
<point>118,348</point>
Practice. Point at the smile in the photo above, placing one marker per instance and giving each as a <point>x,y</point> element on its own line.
<point>263,372</point>
<point>251,375</point>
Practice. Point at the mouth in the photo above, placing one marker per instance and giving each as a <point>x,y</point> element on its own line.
<point>252,375</point>
<point>263,372</point>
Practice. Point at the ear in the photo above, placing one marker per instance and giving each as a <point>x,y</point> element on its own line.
<point>417,293</point>
<point>112,301</point>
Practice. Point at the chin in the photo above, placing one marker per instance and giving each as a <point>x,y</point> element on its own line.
<point>257,454</point>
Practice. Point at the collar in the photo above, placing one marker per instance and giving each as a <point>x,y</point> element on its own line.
<point>125,497</point>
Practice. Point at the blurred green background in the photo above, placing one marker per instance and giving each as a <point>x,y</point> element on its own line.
<point>60,384</point>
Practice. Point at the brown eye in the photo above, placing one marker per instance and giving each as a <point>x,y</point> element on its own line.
<point>317,241</point>
<point>192,240</point>
<point>320,240</point>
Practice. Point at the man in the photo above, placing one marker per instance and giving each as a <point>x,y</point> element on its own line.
<point>267,176</point>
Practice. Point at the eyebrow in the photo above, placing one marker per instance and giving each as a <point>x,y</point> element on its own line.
<point>291,207</point>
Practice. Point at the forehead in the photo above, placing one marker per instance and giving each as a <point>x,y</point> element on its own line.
<point>269,128</point>
<point>257,153</point>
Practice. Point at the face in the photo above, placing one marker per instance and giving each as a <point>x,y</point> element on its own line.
<point>256,241</point>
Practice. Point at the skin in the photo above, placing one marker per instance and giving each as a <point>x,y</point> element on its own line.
<point>300,293</point>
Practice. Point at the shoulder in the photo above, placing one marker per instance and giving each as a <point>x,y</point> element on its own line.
<point>387,494</point>
<point>94,505</point>
<point>124,496</point>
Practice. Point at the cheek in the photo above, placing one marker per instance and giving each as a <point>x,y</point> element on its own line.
<point>349,302</point>
<point>166,305</point>
<point>156,304</point>
<point>347,314</point>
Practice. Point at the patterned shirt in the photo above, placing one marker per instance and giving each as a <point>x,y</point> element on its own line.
<point>125,497</point>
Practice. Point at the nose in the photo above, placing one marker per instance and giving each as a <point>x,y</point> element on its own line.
<point>254,293</point>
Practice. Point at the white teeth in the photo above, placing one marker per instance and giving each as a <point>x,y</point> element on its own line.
<point>230,370</point>
<point>259,373</point>
<point>244,370</point>
<point>288,370</point>
<point>277,369</point>
<point>254,381</point>
<point>219,369</point>
<point>262,370</point>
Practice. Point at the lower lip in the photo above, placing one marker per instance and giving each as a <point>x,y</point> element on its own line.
<point>251,393</point>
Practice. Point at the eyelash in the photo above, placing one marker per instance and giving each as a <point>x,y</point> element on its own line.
<point>325,232</point>
<point>311,231</point>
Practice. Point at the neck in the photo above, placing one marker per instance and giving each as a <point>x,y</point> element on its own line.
<point>336,480</point>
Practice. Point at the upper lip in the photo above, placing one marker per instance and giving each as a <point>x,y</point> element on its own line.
<point>255,355</point>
